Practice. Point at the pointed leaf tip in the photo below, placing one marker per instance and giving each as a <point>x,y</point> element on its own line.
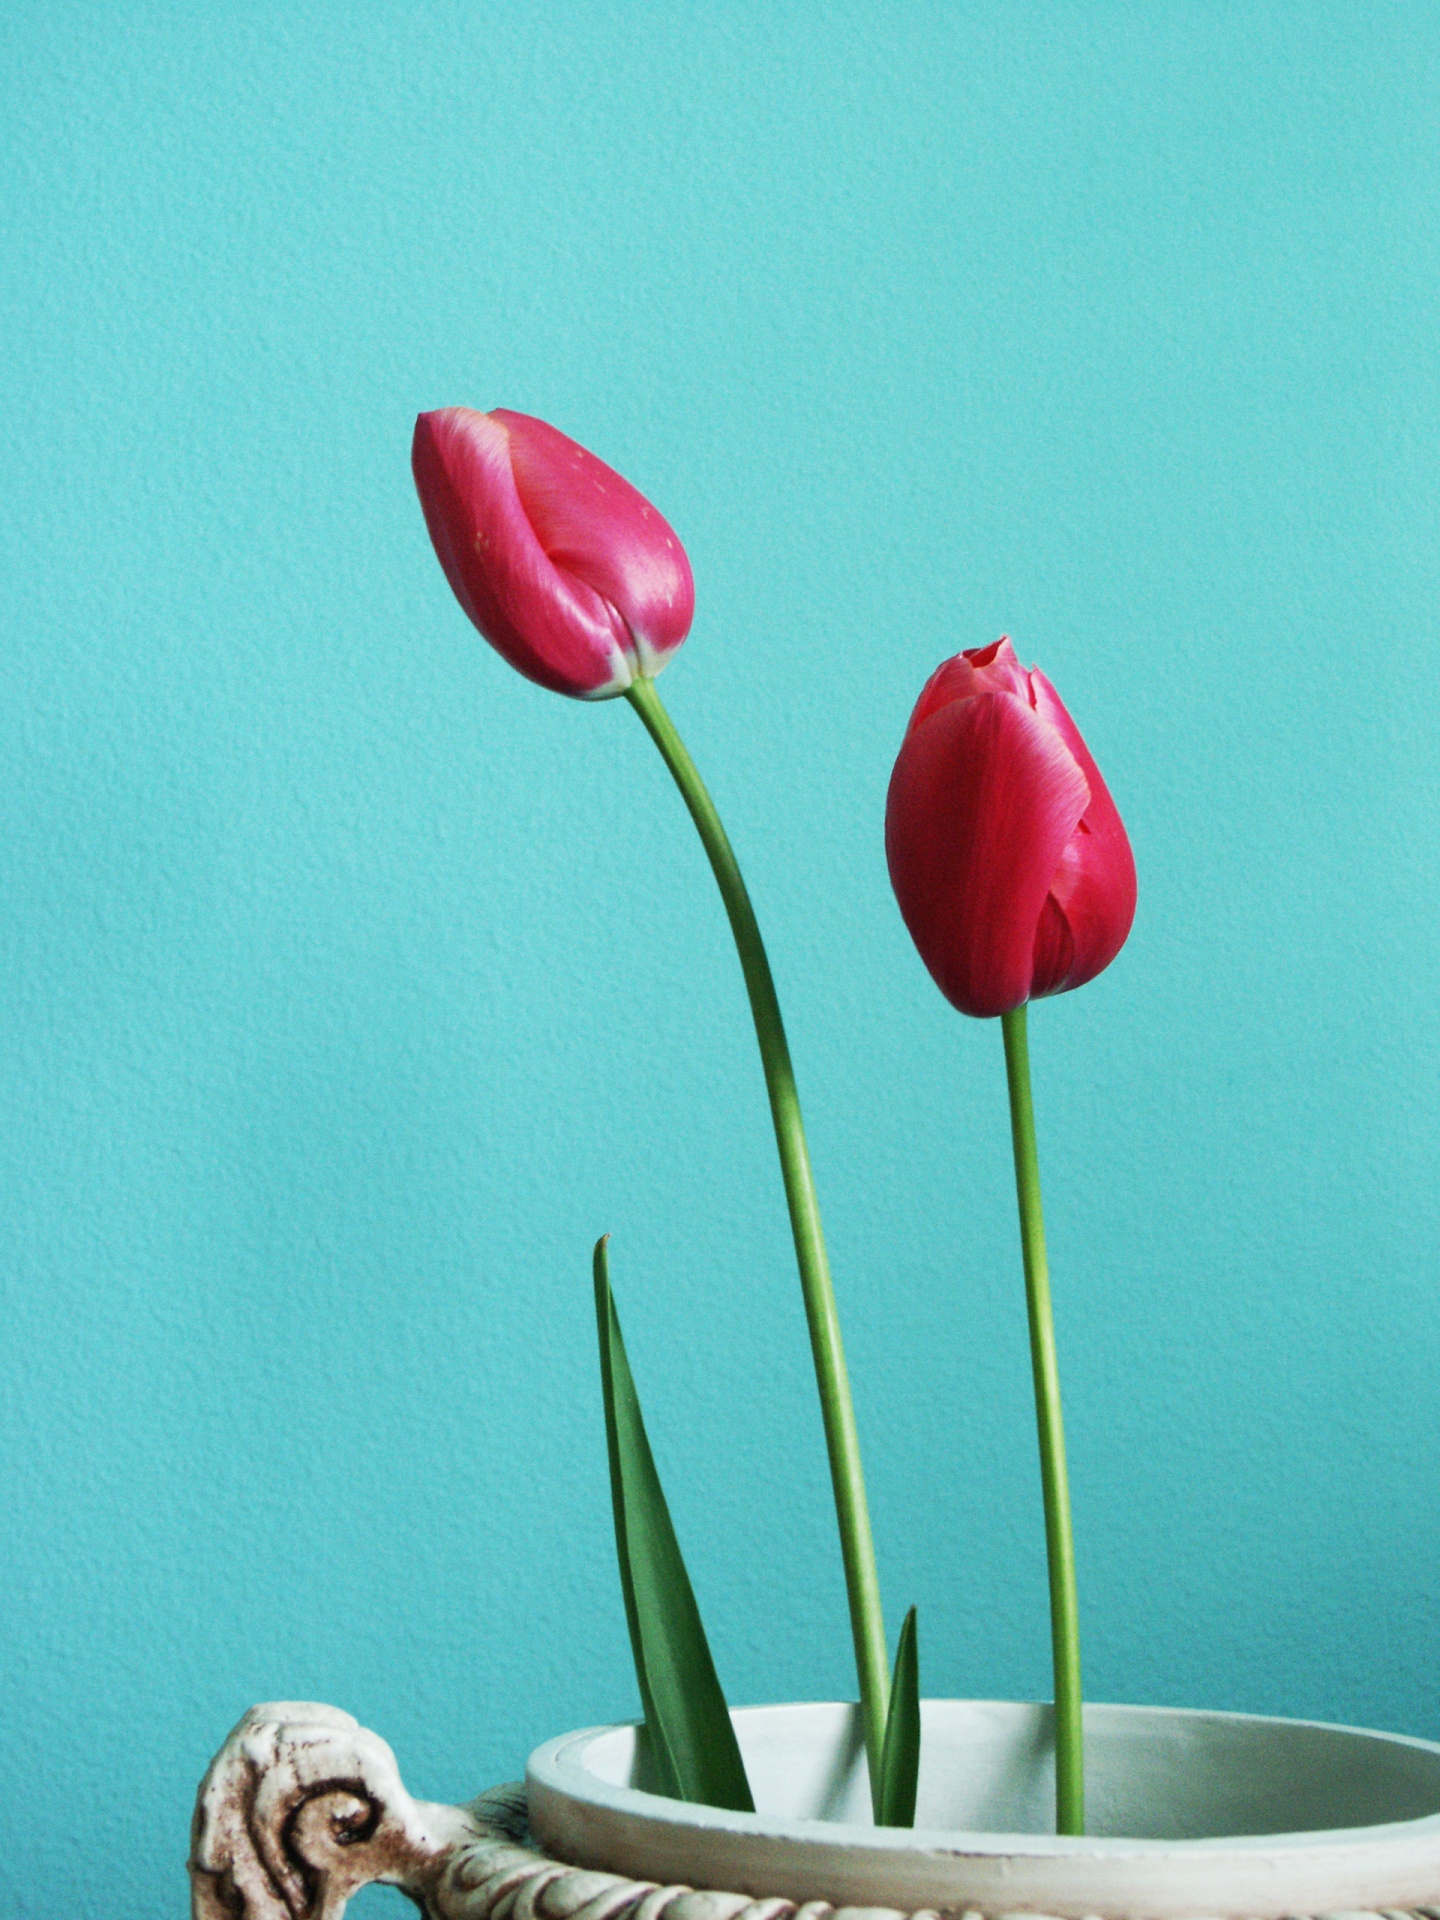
<point>691,1741</point>
<point>900,1755</point>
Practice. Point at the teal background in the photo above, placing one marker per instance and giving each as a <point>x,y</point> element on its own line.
<point>350,986</point>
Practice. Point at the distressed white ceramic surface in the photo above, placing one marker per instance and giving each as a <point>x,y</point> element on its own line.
<point>1191,1815</point>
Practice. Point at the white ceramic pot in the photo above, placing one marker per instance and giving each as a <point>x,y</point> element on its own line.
<point>1191,1816</point>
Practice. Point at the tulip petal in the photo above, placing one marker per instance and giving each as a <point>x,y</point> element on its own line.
<point>992,669</point>
<point>550,624</point>
<point>984,797</point>
<point>1093,890</point>
<point>598,528</point>
<point>1053,960</point>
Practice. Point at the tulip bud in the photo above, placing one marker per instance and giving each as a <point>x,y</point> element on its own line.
<point>1008,858</point>
<point>567,571</point>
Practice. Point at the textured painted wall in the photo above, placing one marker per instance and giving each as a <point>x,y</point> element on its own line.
<point>349,986</point>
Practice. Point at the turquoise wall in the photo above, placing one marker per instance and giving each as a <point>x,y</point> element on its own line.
<point>349,985</point>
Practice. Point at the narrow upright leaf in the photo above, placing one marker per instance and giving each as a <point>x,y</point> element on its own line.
<point>900,1755</point>
<point>693,1746</point>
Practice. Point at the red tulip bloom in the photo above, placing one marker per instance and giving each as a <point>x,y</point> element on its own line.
<point>1010,863</point>
<point>562,565</point>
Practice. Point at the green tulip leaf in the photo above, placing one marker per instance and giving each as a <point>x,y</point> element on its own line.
<point>900,1755</point>
<point>693,1753</point>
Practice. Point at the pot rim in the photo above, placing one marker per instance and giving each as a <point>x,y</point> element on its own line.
<point>557,1767</point>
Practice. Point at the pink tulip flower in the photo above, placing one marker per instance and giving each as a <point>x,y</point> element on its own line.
<point>1009,860</point>
<point>567,571</point>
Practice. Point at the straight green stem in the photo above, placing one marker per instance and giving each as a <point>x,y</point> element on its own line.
<point>1054,1480</point>
<point>837,1409</point>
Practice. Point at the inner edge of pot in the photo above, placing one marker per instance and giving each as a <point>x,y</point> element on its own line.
<point>596,1823</point>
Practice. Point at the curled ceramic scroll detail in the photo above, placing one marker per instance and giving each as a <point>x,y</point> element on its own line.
<point>300,1808</point>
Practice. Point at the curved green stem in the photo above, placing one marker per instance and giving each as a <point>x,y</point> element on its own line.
<point>1054,1480</point>
<point>837,1409</point>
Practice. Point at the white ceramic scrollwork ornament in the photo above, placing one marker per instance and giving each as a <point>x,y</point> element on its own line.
<point>300,1808</point>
